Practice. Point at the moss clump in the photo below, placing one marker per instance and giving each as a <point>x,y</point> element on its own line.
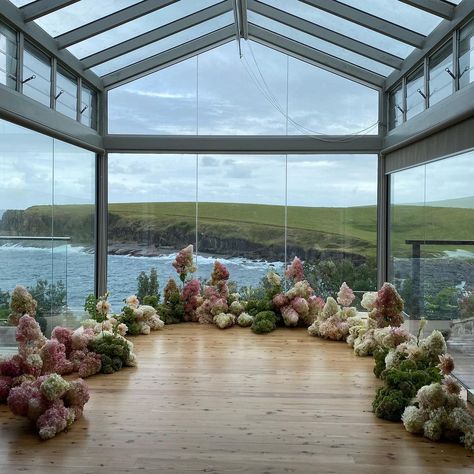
<point>379,357</point>
<point>113,349</point>
<point>264,321</point>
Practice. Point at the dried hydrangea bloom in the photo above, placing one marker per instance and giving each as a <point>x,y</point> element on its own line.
<point>290,316</point>
<point>183,263</point>
<point>245,320</point>
<point>368,300</point>
<point>273,278</point>
<point>300,305</point>
<point>236,308</point>
<point>331,308</point>
<point>295,270</point>
<point>132,301</point>
<point>21,303</point>
<point>219,273</point>
<point>53,354</point>
<point>345,296</point>
<point>451,385</point>
<point>388,307</point>
<point>446,364</point>
<point>224,320</point>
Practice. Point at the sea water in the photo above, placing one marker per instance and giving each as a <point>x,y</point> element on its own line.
<point>74,267</point>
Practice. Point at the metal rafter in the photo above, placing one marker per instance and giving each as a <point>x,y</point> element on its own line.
<point>244,26</point>
<point>110,21</point>
<point>237,22</point>
<point>326,34</point>
<point>37,9</point>
<point>156,34</point>
<point>167,58</point>
<point>314,56</point>
<point>369,21</point>
<point>435,7</point>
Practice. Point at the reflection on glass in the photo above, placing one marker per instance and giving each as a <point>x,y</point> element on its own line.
<point>36,75</point>
<point>46,225</point>
<point>79,13</point>
<point>88,108</point>
<point>441,79</point>
<point>432,250</point>
<point>165,44</point>
<point>395,107</point>
<point>8,53</point>
<point>152,214</point>
<point>415,93</point>
<point>466,55</point>
<point>66,93</point>
<point>319,44</point>
<point>332,215</point>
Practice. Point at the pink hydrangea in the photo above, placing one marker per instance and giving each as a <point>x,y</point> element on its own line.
<point>11,367</point>
<point>29,332</point>
<point>81,337</point>
<point>290,316</point>
<point>78,394</point>
<point>64,336</point>
<point>280,300</point>
<point>20,398</point>
<point>54,420</point>
<point>295,270</point>
<point>300,305</point>
<point>219,273</point>
<point>183,263</point>
<point>334,328</point>
<point>132,301</point>
<point>190,295</point>
<point>345,296</point>
<point>316,304</point>
<point>86,363</point>
<point>54,358</point>
<point>5,386</point>
<point>388,307</point>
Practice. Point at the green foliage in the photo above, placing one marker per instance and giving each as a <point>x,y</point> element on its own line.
<point>379,357</point>
<point>90,305</point>
<point>151,301</point>
<point>113,349</point>
<point>466,306</point>
<point>127,317</point>
<point>4,306</point>
<point>172,310</point>
<point>325,276</point>
<point>148,286</point>
<point>390,404</point>
<point>265,321</point>
<point>51,298</point>
<point>442,304</point>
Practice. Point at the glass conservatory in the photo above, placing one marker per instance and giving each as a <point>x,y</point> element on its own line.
<point>336,131</point>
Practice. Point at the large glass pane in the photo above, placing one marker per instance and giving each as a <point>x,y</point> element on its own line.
<point>323,102</point>
<point>8,54</point>
<point>400,13</point>
<point>332,219</point>
<point>79,14</point>
<point>140,25</point>
<point>342,26</point>
<point>319,44</point>
<point>66,93</point>
<point>441,80</point>
<point>466,55</point>
<point>152,215</point>
<point>395,107</point>
<point>88,108</point>
<point>242,97</point>
<point>415,93</point>
<point>159,104</point>
<point>242,214</point>
<point>165,44</point>
<point>36,75</point>
<point>433,251</point>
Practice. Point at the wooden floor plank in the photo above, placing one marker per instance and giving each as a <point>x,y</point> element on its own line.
<point>206,400</point>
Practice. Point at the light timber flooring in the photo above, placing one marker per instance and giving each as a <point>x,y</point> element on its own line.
<point>207,400</point>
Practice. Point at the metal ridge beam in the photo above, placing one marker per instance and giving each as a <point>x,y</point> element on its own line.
<point>169,57</point>
<point>110,21</point>
<point>369,21</point>
<point>435,7</point>
<point>244,32</point>
<point>40,8</point>
<point>326,34</point>
<point>155,35</point>
<point>38,36</point>
<point>436,38</point>
<point>261,144</point>
<point>316,57</point>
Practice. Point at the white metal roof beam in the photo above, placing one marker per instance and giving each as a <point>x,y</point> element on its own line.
<point>156,34</point>
<point>37,9</point>
<point>369,21</point>
<point>435,7</point>
<point>111,21</point>
<point>315,57</point>
<point>236,8</point>
<point>326,34</point>
<point>167,58</point>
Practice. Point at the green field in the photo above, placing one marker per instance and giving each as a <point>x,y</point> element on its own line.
<point>232,226</point>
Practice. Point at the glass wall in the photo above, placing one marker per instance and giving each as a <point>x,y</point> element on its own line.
<point>36,75</point>
<point>66,93</point>
<point>253,211</point>
<point>47,203</point>
<point>264,92</point>
<point>431,237</point>
<point>8,56</point>
<point>466,55</point>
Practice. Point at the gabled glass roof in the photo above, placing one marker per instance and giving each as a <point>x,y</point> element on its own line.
<point>347,36</point>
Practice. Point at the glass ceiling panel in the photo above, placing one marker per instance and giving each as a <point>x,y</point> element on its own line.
<point>319,44</point>
<point>139,26</point>
<point>79,14</point>
<point>21,3</point>
<point>399,13</point>
<point>165,44</point>
<point>342,26</point>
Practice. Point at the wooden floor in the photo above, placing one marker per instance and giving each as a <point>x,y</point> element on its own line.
<point>206,400</point>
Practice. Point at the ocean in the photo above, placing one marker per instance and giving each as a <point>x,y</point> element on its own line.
<point>74,266</point>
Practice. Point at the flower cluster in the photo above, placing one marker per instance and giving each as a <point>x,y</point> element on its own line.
<point>388,307</point>
<point>295,270</point>
<point>191,298</point>
<point>21,303</point>
<point>345,296</point>
<point>134,319</point>
<point>183,263</point>
<point>49,401</point>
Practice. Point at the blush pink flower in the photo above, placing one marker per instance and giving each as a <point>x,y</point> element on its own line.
<point>295,270</point>
<point>183,263</point>
<point>345,296</point>
<point>219,273</point>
